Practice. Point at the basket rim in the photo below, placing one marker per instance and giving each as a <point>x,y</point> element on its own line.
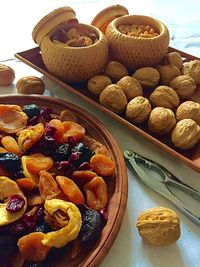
<point>116,22</point>
<point>100,36</point>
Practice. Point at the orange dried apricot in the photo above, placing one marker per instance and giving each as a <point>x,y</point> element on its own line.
<point>29,136</point>
<point>83,176</point>
<point>31,247</point>
<point>47,186</point>
<point>10,144</point>
<point>102,165</point>
<point>68,115</point>
<point>3,150</point>
<point>27,173</point>
<point>38,162</point>
<point>34,198</point>
<point>12,118</point>
<point>73,129</point>
<point>97,193</point>
<point>70,189</point>
<point>59,129</point>
<point>25,184</point>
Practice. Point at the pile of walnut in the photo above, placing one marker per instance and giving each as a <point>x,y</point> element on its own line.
<point>166,97</point>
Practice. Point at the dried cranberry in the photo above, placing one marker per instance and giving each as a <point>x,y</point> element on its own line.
<point>29,221</point>
<point>15,203</point>
<point>84,166</point>
<point>46,113</point>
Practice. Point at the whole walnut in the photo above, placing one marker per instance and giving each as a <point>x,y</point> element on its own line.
<point>185,68</point>
<point>30,85</point>
<point>164,96</point>
<point>115,70</point>
<point>148,77</point>
<point>196,95</point>
<point>138,109</point>
<point>194,70</point>
<point>7,75</point>
<point>97,83</point>
<point>161,120</point>
<point>188,110</point>
<point>113,98</point>
<point>186,134</point>
<point>130,87</point>
<point>184,85</point>
<point>168,73</point>
<point>159,226</point>
<point>173,58</point>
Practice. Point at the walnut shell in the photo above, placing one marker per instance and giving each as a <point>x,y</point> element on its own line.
<point>184,85</point>
<point>186,134</point>
<point>185,68</point>
<point>173,58</point>
<point>148,77</point>
<point>113,98</point>
<point>164,96</point>
<point>161,120</point>
<point>97,83</point>
<point>30,85</point>
<point>115,70</point>
<point>168,73</point>
<point>188,110</point>
<point>196,95</point>
<point>194,70</point>
<point>7,75</point>
<point>138,109</point>
<point>130,87</point>
<point>159,226</point>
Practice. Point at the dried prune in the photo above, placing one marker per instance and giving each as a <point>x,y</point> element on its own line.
<point>91,225</point>
<point>7,245</point>
<point>43,227</point>
<point>84,154</point>
<point>10,162</point>
<point>31,110</point>
<point>61,152</point>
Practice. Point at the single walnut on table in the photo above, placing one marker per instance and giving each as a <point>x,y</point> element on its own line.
<point>164,96</point>
<point>159,226</point>
<point>30,85</point>
<point>7,75</point>
<point>148,77</point>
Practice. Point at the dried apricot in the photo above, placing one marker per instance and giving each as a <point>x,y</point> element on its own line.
<point>47,186</point>
<point>97,193</point>
<point>102,165</point>
<point>73,129</point>
<point>70,189</point>
<point>27,173</point>
<point>29,136</point>
<point>25,184</point>
<point>96,146</point>
<point>68,115</point>
<point>84,176</point>
<point>12,118</point>
<point>3,150</point>
<point>31,247</point>
<point>38,162</point>
<point>34,198</point>
<point>59,129</point>
<point>10,144</point>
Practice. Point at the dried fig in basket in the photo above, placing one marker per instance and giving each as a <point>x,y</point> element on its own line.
<point>161,120</point>
<point>138,109</point>
<point>159,226</point>
<point>186,134</point>
<point>188,110</point>
<point>184,85</point>
<point>148,77</point>
<point>130,86</point>
<point>164,96</point>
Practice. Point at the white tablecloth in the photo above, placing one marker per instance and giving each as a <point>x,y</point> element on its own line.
<point>17,19</point>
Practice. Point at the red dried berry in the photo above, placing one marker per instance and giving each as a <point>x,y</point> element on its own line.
<point>15,203</point>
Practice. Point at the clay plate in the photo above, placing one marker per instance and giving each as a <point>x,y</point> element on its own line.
<point>190,157</point>
<point>94,253</point>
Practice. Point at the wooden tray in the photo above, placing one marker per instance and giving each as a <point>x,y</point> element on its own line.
<point>191,157</point>
<point>92,254</point>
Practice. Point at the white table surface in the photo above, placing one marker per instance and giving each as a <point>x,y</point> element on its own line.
<point>182,18</point>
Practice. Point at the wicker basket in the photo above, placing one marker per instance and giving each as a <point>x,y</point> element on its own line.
<point>136,52</point>
<point>75,64</point>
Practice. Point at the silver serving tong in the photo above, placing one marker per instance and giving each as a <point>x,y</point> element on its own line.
<point>165,183</point>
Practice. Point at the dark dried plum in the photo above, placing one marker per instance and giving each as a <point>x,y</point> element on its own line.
<point>43,227</point>
<point>91,225</point>
<point>84,154</point>
<point>31,110</point>
<point>11,162</point>
<point>61,152</point>
<point>7,245</point>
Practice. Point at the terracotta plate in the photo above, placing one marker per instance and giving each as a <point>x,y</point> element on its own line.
<point>93,254</point>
